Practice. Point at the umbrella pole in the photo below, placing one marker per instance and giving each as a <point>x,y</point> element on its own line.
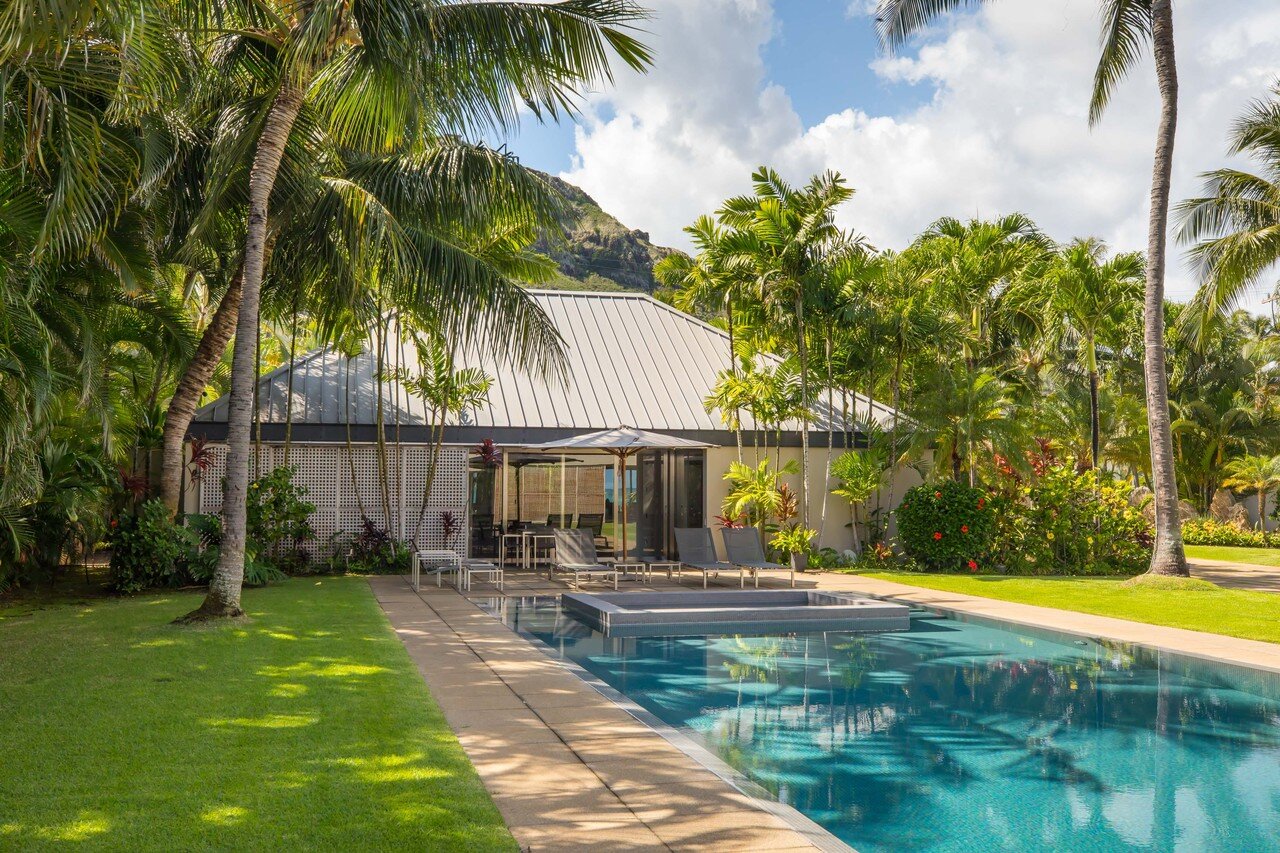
<point>563,523</point>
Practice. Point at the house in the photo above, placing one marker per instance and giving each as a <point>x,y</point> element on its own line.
<point>630,360</point>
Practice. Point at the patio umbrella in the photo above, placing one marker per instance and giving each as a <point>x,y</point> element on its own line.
<point>621,443</point>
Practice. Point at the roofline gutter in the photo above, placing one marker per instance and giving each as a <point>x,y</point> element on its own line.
<point>273,433</point>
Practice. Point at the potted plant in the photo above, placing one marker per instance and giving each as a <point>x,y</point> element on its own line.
<point>797,542</point>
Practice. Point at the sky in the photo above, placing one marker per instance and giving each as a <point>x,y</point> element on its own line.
<point>982,115</point>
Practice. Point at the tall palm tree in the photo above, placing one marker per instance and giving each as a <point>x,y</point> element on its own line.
<point>433,66</point>
<point>1127,27</point>
<point>1256,475</point>
<point>1234,226</point>
<point>788,237</point>
<point>1088,298</point>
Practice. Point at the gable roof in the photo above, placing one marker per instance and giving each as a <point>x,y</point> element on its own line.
<point>630,360</point>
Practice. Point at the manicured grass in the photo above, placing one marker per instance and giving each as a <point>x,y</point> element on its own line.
<point>1257,556</point>
<point>1198,606</point>
<point>305,727</point>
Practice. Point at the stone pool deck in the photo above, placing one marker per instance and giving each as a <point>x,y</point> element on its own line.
<point>570,770</point>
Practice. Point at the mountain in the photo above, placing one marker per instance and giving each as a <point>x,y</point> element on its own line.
<point>600,253</point>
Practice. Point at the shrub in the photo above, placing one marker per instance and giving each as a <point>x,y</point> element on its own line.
<point>148,549</point>
<point>278,514</point>
<point>375,551</point>
<point>947,526</point>
<point>202,557</point>
<point>1207,531</point>
<point>1068,523</point>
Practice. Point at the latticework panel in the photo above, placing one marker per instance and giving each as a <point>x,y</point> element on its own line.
<point>345,488</point>
<point>210,484</point>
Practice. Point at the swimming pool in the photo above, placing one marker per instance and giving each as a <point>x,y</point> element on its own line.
<point>964,735</point>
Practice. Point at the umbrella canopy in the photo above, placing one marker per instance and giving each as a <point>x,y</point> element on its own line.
<point>622,443</point>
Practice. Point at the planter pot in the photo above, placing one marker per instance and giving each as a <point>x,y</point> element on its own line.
<point>800,562</point>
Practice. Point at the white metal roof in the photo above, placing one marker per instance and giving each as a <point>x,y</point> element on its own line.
<point>631,360</point>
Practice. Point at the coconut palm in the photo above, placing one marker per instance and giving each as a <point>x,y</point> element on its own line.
<point>1128,26</point>
<point>1254,475</point>
<point>1088,297</point>
<point>381,76</point>
<point>1234,226</point>
<point>788,238</point>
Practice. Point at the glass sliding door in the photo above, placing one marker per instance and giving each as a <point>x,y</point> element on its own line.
<point>688,490</point>
<point>650,505</point>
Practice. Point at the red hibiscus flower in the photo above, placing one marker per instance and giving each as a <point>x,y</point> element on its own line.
<point>982,502</point>
<point>937,494</point>
<point>973,566</point>
<point>964,528</point>
<point>936,536</point>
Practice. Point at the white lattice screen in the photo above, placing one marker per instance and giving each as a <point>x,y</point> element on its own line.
<point>327,473</point>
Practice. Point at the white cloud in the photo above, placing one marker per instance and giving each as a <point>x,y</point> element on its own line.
<point>1005,129</point>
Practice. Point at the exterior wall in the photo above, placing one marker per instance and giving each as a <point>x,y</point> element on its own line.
<point>834,534</point>
<point>324,469</point>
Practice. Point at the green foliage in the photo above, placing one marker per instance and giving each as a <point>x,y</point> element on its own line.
<point>754,491</point>
<point>794,539</point>
<point>861,474</point>
<point>948,526</point>
<point>1207,531</point>
<point>374,551</point>
<point>148,549</point>
<point>279,518</point>
<point>1065,523</point>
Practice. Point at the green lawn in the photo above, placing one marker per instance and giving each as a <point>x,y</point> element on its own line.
<point>1257,556</point>
<point>1236,613</point>
<point>305,728</point>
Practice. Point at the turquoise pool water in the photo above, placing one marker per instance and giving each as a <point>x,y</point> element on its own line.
<point>965,736</point>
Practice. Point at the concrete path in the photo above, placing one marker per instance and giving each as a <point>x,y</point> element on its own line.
<point>567,768</point>
<point>1251,576</point>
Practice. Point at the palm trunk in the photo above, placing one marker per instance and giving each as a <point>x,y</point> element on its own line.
<point>380,363</point>
<point>351,459</point>
<point>803,354</point>
<point>1168,558</point>
<point>186,397</point>
<point>288,396</point>
<point>831,439</point>
<point>733,371</point>
<point>223,599</point>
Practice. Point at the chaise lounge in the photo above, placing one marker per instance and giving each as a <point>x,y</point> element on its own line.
<point>576,555</point>
<point>698,552</point>
<point>744,549</point>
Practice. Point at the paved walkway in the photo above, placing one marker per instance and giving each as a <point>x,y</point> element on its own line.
<point>567,768</point>
<point>1237,575</point>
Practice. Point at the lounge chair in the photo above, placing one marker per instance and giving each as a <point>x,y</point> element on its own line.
<point>594,522</point>
<point>698,552</point>
<point>576,555</point>
<point>558,520</point>
<point>743,548</point>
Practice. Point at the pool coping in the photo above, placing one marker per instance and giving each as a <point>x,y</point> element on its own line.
<point>821,837</point>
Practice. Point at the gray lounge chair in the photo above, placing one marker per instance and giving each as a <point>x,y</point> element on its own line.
<point>698,552</point>
<point>744,549</point>
<point>576,555</point>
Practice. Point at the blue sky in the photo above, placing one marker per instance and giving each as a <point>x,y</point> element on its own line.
<point>982,115</point>
<point>821,54</point>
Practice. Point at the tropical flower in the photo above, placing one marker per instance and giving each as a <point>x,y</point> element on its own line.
<point>937,494</point>
<point>964,528</point>
<point>936,536</point>
<point>982,502</point>
<point>973,565</point>
<point>1049,535</point>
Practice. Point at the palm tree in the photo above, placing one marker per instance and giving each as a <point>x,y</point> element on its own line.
<point>861,474</point>
<point>968,412</point>
<point>1234,225</point>
<point>707,280</point>
<point>1127,25</point>
<point>445,392</point>
<point>1254,475</point>
<point>1088,298</point>
<point>788,238</point>
<point>454,65</point>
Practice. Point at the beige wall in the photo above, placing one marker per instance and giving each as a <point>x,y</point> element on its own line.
<point>834,534</point>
